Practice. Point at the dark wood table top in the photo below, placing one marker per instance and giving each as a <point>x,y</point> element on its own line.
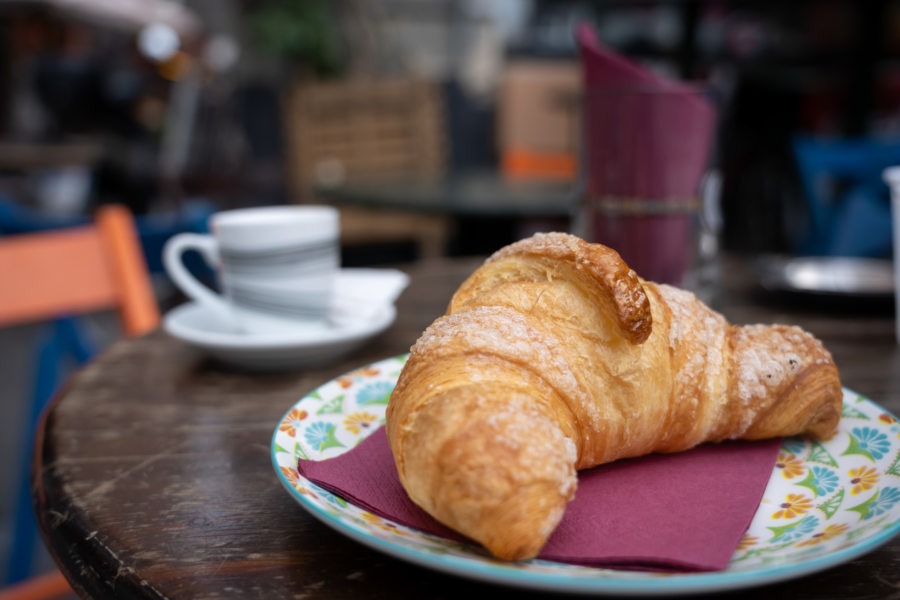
<point>152,476</point>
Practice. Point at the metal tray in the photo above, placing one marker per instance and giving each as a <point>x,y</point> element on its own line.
<point>835,276</point>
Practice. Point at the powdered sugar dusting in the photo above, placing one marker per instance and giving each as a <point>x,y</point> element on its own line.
<point>768,358</point>
<point>503,332</point>
<point>550,456</point>
<point>542,243</point>
<point>761,366</point>
<point>707,330</point>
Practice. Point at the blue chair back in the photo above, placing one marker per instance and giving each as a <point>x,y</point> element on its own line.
<point>153,229</point>
<point>848,201</point>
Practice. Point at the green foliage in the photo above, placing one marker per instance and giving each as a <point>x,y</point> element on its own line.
<point>303,31</point>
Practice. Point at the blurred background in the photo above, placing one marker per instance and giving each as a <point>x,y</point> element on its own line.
<point>178,109</point>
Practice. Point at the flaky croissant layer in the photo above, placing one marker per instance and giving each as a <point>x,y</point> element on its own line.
<point>554,356</point>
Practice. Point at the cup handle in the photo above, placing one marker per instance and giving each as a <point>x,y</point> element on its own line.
<point>208,248</point>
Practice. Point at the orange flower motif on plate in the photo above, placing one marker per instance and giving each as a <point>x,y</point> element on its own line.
<point>830,532</point>
<point>793,505</point>
<point>747,541</point>
<point>378,522</point>
<point>291,475</point>
<point>862,479</point>
<point>356,422</point>
<point>292,421</point>
<point>790,465</point>
<point>347,380</point>
<point>293,478</point>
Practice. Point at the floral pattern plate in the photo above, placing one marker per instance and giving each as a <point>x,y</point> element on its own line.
<point>826,502</point>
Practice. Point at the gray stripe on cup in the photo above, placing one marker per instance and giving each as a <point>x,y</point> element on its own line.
<point>268,271</point>
<point>278,254</point>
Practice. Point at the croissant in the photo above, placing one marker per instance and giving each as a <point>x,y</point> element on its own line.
<point>553,357</point>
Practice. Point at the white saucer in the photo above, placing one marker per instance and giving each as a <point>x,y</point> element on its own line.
<point>195,325</point>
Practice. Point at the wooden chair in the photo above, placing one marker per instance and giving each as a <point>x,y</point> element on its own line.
<point>369,130</point>
<point>56,276</point>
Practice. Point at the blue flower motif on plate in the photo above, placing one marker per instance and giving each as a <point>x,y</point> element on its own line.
<point>869,442</point>
<point>825,480</point>
<point>378,392</point>
<point>321,435</point>
<point>806,525</point>
<point>884,502</point>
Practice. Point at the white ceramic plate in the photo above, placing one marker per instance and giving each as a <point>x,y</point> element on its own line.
<point>193,324</point>
<point>826,503</point>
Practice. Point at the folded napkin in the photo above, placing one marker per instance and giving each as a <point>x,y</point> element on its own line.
<point>678,512</point>
<point>647,141</point>
<point>362,293</point>
<point>656,131</point>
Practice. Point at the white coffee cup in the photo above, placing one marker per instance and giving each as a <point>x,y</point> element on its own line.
<point>276,266</point>
<point>892,178</point>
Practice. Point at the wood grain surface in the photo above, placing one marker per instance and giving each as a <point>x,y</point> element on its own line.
<point>152,476</point>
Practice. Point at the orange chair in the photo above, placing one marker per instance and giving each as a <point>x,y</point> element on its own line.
<point>61,273</point>
<point>78,270</point>
<point>40,587</point>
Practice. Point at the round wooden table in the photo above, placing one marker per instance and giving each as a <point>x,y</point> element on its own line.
<point>152,475</point>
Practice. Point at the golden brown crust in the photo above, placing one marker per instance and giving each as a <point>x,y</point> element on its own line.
<point>554,356</point>
<point>602,267</point>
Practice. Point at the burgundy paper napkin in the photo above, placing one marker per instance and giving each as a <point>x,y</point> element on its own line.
<point>647,141</point>
<point>655,131</point>
<point>681,512</point>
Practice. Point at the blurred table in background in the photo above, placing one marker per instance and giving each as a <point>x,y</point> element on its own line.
<point>26,156</point>
<point>467,213</point>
